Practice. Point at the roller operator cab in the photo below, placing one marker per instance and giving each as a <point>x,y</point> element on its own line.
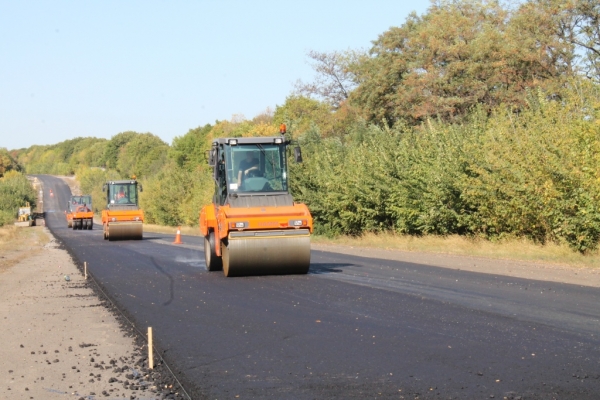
<point>79,212</point>
<point>122,218</point>
<point>253,226</point>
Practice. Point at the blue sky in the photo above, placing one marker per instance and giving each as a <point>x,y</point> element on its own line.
<point>83,68</point>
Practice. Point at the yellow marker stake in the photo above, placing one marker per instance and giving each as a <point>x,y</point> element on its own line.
<point>150,353</point>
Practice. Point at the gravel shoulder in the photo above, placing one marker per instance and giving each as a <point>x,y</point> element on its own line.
<point>59,338</point>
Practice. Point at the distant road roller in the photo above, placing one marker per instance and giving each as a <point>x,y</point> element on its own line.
<point>79,212</point>
<point>122,218</point>
<point>253,226</point>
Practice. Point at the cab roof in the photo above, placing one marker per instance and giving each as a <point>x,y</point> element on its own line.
<point>122,182</point>
<point>250,140</point>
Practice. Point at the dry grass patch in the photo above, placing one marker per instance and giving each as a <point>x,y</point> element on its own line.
<point>8,236</point>
<point>17,244</point>
<point>22,238</point>
<point>511,249</point>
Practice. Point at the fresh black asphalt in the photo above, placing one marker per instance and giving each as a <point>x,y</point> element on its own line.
<point>353,328</point>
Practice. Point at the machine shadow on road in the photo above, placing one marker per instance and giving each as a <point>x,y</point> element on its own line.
<point>328,268</point>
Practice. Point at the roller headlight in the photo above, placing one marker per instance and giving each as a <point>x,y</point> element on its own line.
<point>238,225</point>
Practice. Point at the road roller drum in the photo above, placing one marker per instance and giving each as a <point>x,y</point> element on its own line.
<point>124,231</point>
<point>265,253</point>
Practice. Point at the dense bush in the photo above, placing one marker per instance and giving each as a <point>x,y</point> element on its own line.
<point>175,195</point>
<point>536,174</point>
<point>532,174</point>
<point>15,191</point>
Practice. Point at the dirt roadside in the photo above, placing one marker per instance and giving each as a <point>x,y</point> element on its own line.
<point>60,339</point>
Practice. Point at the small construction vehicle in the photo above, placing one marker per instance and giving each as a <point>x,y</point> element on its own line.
<point>253,226</point>
<point>122,218</point>
<point>79,212</point>
<point>24,216</point>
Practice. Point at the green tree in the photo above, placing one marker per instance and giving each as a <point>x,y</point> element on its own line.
<point>88,152</point>
<point>189,151</point>
<point>113,148</point>
<point>7,162</point>
<point>300,112</point>
<point>143,155</point>
<point>457,55</point>
<point>334,79</point>
<point>579,24</point>
<point>588,35</point>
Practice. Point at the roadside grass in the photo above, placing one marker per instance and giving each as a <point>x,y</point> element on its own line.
<point>17,244</point>
<point>511,249</point>
<point>18,238</point>
<point>9,235</point>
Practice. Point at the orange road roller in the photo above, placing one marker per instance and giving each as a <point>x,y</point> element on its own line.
<point>253,226</point>
<point>79,212</point>
<point>122,218</point>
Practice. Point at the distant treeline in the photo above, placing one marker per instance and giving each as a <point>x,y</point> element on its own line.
<point>474,118</point>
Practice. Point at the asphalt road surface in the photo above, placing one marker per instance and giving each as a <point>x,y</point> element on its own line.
<point>352,328</point>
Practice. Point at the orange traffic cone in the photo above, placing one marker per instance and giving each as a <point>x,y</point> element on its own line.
<point>178,236</point>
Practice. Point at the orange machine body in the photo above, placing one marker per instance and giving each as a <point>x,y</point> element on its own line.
<point>79,214</point>
<point>116,216</point>
<point>225,219</point>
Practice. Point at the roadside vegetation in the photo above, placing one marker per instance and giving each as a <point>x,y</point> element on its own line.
<point>516,249</point>
<point>476,120</point>
<point>15,192</point>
